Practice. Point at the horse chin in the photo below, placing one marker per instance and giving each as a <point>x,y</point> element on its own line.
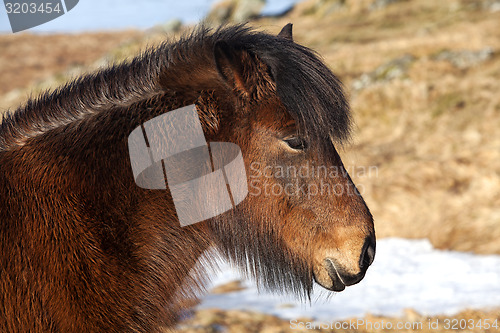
<point>328,279</point>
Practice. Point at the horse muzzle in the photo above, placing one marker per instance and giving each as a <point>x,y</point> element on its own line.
<point>335,276</point>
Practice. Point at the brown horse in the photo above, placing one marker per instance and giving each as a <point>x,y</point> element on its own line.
<point>84,249</point>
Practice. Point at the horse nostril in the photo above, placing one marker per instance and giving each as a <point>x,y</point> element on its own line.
<point>367,254</point>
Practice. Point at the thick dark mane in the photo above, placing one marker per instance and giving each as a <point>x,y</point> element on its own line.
<point>311,92</point>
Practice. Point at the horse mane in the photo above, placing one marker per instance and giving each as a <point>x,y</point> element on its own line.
<point>312,94</point>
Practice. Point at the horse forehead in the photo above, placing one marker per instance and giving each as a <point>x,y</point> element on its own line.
<point>273,114</point>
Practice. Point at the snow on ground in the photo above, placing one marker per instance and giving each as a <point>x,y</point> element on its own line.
<point>405,274</point>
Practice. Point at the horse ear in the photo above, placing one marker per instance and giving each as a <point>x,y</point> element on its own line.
<point>286,32</point>
<point>229,65</point>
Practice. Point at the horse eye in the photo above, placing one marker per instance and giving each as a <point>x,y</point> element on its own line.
<point>296,143</point>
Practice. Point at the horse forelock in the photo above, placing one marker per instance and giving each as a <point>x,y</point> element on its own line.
<point>308,89</point>
<point>311,93</point>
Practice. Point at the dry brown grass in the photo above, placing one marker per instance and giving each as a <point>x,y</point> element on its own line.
<point>432,134</point>
<point>235,321</point>
<point>27,60</point>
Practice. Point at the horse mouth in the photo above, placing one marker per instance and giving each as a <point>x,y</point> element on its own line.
<point>338,277</point>
<point>336,283</point>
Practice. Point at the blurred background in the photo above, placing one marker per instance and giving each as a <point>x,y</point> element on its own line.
<point>423,77</point>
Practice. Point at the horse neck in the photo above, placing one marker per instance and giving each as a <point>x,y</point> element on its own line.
<point>76,175</point>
